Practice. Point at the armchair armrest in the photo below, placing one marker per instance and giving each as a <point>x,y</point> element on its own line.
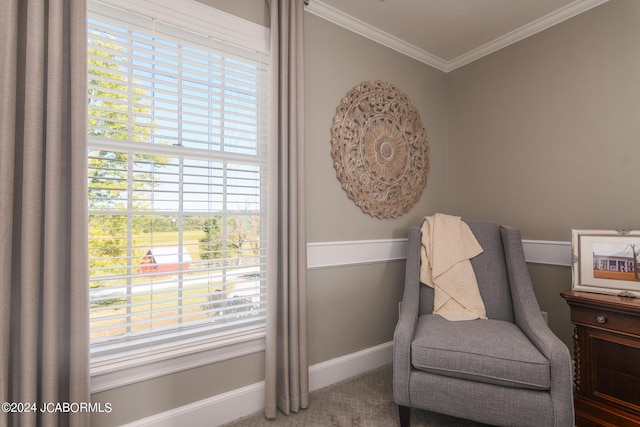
<point>406,326</point>
<point>530,320</point>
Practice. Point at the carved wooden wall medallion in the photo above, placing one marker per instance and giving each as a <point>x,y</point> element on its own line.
<point>380,149</point>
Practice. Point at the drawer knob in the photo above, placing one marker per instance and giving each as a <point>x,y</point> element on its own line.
<point>601,319</point>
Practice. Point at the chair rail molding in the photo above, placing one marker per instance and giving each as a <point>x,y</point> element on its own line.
<point>355,252</point>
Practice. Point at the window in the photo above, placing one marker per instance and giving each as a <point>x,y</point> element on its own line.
<point>177,179</point>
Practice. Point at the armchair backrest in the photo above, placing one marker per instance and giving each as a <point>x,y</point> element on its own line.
<point>490,270</point>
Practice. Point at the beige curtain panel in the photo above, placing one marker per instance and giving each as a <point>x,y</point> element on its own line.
<point>287,367</point>
<point>43,210</point>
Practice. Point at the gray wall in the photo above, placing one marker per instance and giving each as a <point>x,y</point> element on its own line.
<point>542,135</point>
<point>545,136</point>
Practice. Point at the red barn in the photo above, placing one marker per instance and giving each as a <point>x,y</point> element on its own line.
<point>165,259</point>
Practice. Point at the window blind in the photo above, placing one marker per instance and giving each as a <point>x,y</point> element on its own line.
<point>177,184</point>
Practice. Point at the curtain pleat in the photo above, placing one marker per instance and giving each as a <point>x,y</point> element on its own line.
<point>287,368</point>
<point>44,350</point>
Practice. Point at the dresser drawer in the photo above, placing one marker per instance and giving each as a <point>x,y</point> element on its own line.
<point>606,319</point>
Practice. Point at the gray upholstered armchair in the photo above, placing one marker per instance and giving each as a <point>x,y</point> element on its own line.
<point>507,370</point>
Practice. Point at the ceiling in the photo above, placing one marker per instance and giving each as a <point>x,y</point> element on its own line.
<point>447,34</point>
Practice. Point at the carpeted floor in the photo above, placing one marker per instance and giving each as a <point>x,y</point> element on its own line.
<point>362,401</point>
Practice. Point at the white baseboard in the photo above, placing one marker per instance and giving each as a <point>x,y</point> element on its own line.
<point>341,368</point>
<point>226,407</point>
<point>214,411</point>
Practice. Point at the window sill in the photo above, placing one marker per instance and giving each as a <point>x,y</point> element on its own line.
<point>107,376</point>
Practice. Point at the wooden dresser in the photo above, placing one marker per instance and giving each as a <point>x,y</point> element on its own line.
<point>607,355</point>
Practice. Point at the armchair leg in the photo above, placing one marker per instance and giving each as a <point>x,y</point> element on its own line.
<point>405,415</point>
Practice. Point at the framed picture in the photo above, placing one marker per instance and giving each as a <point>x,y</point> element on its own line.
<point>606,261</point>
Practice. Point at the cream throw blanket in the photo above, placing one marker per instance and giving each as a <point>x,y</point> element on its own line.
<point>447,246</point>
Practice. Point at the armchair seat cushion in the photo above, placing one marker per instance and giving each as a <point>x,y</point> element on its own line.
<point>487,351</point>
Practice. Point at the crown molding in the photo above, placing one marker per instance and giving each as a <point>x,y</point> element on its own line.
<point>335,16</point>
<point>541,24</point>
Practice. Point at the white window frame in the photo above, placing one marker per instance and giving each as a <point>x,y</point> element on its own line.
<point>205,20</point>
